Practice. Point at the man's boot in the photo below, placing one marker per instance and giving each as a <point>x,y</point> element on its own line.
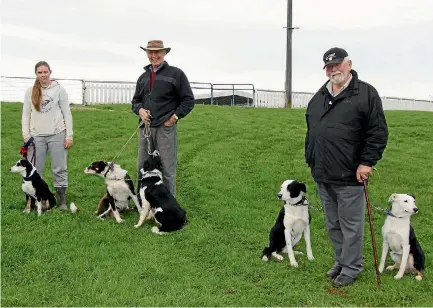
<point>61,198</point>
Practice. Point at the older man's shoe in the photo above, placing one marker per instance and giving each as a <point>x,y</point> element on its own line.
<point>334,272</point>
<point>343,280</point>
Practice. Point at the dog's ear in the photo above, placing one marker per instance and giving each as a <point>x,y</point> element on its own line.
<point>26,164</point>
<point>302,187</point>
<point>392,197</point>
<point>158,163</point>
<point>413,196</point>
<point>294,189</point>
<point>146,165</point>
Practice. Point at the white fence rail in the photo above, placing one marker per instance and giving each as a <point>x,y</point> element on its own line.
<point>119,92</point>
<point>13,89</point>
<point>276,99</point>
<point>97,92</point>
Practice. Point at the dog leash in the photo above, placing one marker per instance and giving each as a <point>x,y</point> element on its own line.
<point>146,135</point>
<point>373,238</point>
<point>24,150</point>
<point>111,165</point>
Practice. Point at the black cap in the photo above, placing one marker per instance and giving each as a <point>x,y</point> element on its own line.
<point>334,56</point>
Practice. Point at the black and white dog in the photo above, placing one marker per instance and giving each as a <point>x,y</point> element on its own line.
<point>119,189</point>
<point>35,188</point>
<point>156,200</point>
<point>399,236</point>
<point>293,220</point>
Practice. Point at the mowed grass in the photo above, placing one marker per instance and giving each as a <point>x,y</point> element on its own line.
<point>232,162</point>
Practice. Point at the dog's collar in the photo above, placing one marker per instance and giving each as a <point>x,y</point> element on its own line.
<point>301,202</point>
<point>29,178</point>
<point>388,212</point>
<point>110,168</point>
<point>153,173</point>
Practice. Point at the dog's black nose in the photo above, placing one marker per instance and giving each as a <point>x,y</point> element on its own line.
<point>10,169</point>
<point>279,196</point>
<point>415,210</point>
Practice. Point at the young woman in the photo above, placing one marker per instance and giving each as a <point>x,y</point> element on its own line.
<point>47,118</point>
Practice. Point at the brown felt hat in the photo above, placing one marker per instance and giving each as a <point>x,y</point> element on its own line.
<point>156,45</point>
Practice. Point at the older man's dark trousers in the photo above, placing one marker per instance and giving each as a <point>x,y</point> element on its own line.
<point>344,208</point>
<point>163,139</point>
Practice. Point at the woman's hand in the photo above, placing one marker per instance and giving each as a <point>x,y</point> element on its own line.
<point>68,143</point>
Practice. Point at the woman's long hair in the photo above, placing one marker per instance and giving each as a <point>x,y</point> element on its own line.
<point>37,88</point>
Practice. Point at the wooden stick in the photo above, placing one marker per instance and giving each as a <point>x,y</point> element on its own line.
<point>373,238</point>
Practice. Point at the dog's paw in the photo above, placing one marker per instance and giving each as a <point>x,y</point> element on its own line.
<point>278,257</point>
<point>26,211</point>
<point>398,276</point>
<point>418,277</point>
<point>311,258</point>
<point>381,269</point>
<point>155,230</point>
<point>297,252</point>
<point>120,220</point>
<point>265,258</point>
<point>389,268</point>
<point>137,226</point>
<point>294,263</point>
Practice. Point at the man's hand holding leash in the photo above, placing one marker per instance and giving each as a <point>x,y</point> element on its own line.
<point>144,114</point>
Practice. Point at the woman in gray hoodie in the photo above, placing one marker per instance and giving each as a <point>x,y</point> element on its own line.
<point>47,118</point>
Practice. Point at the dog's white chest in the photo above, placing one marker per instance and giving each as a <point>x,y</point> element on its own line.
<point>396,233</point>
<point>296,219</point>
<point>28,188</point>
<point>120,192</point>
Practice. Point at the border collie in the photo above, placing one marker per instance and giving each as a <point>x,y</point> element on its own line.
<point>35,188</point>
<point>399,236</point>
<point>156,200</point>
<point>293,220</point>
<point>119,189</point>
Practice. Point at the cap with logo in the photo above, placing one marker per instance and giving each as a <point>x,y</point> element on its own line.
<point>334,56</point>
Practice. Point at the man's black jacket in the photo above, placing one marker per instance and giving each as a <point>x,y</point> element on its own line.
<point>350,131</point>
<point>171,94</point>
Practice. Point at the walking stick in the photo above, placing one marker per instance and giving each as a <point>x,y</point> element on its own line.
<point>373,239</point>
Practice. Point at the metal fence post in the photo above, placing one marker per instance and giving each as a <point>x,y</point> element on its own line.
<point>211,94</point>
<point>233,97</point>
<point>83,86</point>
<point>254,96</point>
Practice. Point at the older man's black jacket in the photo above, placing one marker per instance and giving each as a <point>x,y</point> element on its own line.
<point>341,135</point>
<point>171,94</point>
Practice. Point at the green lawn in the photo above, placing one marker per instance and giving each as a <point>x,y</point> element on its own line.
<point>232,162</point>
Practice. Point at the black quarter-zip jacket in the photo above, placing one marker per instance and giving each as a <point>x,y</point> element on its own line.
<point>344,132</point>
<point>171,94</point>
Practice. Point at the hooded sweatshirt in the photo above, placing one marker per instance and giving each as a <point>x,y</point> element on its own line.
<point>54,115</point>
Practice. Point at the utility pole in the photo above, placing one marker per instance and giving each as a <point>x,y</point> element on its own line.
<point>289,27</point>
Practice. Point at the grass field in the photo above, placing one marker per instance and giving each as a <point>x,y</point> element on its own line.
<point>232,162</point>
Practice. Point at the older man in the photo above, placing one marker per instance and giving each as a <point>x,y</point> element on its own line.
<point>162,96</point>
<point>346,136</point>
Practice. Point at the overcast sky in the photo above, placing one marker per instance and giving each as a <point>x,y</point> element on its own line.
<point>224,41</point>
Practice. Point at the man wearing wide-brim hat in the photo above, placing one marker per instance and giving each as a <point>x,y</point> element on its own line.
<point>163,96</point>
<point>156,45</point>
